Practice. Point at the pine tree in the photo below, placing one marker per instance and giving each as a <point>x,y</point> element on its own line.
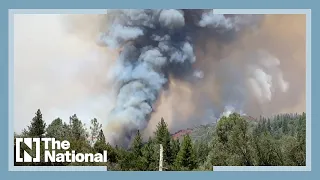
<point>138,162</point>
<point>175,144</point>
<point>78,135</point>
<point>162,136</point>
<point>186,158</point>
<point>264,125</point>
<point>301,138</point>
<point>301,135</point>
<point>37,127</point>
<point>137,145</point>
<point>56,129</point>
<point>295,155</point>
<point>78,130</point>
<point>269,125</point>
<point>112,153</point>
<point>202,151</point>
<point>150,156</point>
<point>24,133</point>
<point>285,127</point>
<point>101,136</point>
<point>100,145</point>
<point>95,129</point>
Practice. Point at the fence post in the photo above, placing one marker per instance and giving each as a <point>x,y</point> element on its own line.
<point>161,158</point>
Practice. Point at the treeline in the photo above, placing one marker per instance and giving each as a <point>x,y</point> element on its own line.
<point>235,141</point>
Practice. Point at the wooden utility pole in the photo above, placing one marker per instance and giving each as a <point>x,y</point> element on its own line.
<point>161,158</point>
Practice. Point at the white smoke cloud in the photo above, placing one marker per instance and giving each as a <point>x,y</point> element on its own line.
<point>119,34</point>
<point>66,72</point>
<point>154,57</point>
<point>210,19</point>
<point>228,110</point>
<point>215,20</point>
<point>261,84</point>
<point>171,19</point>
<point>266,77</point>
<point>57,72</point>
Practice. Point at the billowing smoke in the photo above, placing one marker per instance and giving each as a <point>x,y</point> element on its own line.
<point>188,66</point>
<point>156,45</point>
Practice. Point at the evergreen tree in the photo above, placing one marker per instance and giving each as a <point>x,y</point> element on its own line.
<point>267,151</point>
<point>264,125</point>
<point>202,151</point>
<point>234,141</point>
<point>301,141</point>
<point>95,129</point>
<point>269,125</point>
<point>138,162</point>
<point>78,130</point>
<point>162,136</point>
<point>285,128</point>
<point>137,145</point>
<point>175,144</point>
<point>301,135</point>
<point>24,133</point>
<point>113,155</point>
<point>56,129</point>
<point>37,127</point>
<point>294,154</point>
<point>101,136</point>
<point>126,160</point>
<point>150,156</point>
<point>78,135</point>
<point>186,158</point>
<point>100,145</point>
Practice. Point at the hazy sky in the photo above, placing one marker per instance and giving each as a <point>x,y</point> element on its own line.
<point>65,72</point>
<point>53,71</point>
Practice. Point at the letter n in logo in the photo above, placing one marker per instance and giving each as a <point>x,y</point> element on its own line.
<point>29,143</point>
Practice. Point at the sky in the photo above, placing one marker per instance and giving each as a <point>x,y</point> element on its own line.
<point>59,68</point>
<point>54,71</point>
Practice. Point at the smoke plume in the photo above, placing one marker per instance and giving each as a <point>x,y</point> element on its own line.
<point>156,45</point>
<point>188,66</point>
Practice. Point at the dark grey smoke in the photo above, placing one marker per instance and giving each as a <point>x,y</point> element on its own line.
<point>155,44</point>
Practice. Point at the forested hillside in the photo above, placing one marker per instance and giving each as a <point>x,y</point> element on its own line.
<point>232,141</point>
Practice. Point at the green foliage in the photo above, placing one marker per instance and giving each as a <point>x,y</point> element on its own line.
<point>95,129</point>
<point>270,142</point>
<point>240,141</point>
<point>101,137</point>
<point>267,150</point>
<point>77,129</point>
<point>175,144</point>
<point>37,127</point>
<point>162,136</point>
<point>57,129</point>
<point>232,141</point>
<point>218,155</point>
<point>301,134</point>
<point>151,153</point>
<point>186,158</point>
<point>232,144</point>
<point>78,136</point>
<point>137,145</point>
